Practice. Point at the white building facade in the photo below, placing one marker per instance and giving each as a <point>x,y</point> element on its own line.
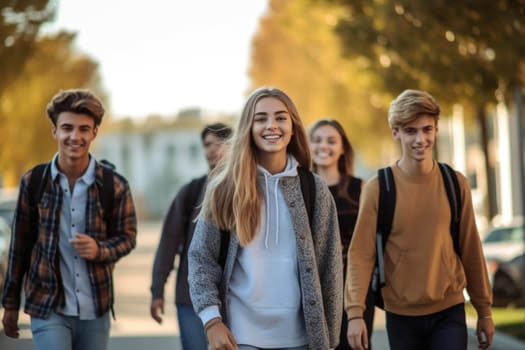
<point>156,163</point>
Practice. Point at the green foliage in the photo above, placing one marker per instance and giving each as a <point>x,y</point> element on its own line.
<point>460,51</point>
<point>297,50</point>
<point>19,25</point>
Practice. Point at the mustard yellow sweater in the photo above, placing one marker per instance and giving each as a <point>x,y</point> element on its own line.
<point>423,272</point>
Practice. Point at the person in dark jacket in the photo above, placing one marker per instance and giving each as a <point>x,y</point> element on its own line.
<point>64,245</point>
<point>177,232</point>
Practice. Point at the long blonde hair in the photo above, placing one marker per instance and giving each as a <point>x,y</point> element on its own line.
<point>232,198</point>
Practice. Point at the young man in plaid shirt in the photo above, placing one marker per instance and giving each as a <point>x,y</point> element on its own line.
<point>66,240</point>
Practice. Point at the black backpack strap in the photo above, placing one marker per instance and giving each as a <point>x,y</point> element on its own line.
<point>225,242</point>
<point>306,178</point>
<point>35,188</point>
<point>385,215</point>
<point>107,199</point>
<point>107,192</point>
<point>195,189</point>
<point>454,198</point>
<point>36,185</point>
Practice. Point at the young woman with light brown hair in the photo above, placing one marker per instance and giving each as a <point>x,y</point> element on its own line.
<point>281,282</point>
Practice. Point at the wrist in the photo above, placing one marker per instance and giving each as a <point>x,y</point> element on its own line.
<point>355,318</point>
<point>211,323</point>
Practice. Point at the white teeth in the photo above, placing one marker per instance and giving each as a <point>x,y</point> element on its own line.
<point>271,137</point>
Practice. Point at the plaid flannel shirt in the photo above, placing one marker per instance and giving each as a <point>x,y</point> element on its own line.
<point>34,246</point>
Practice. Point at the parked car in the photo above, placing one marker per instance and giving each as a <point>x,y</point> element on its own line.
<point>504,243</point>
<point>5,238</point>
<point>509,283</point>
<point>504,248</point>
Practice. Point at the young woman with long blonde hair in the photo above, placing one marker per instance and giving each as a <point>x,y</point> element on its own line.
<point>281,282</point>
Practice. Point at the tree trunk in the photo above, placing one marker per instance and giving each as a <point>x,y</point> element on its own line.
<point>489,203</point>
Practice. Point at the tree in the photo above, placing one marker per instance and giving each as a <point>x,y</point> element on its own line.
<point>463,51</point>
<point>19,26</point>
<point>26,129</point>
<point>297,50</point>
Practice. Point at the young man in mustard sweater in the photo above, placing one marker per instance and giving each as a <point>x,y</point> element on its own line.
<point>425,277</point>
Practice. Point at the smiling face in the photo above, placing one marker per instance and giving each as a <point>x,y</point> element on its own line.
<point>271,130</point>
<point>417,139</point>
<point>74,133</point>
<point>327,146</point>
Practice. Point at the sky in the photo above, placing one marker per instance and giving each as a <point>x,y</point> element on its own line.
<point>161,56</point>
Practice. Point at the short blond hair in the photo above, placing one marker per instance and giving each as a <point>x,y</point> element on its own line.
<point>410,105</point>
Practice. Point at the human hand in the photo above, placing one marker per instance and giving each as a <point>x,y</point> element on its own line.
<point>485,332</point>
<point>85,246</point>
<point>10,323</point>
<point>156,306</point>
<point>220,337</point>
<point>357,334</point>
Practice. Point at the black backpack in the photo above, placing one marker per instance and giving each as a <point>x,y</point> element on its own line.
<point>306,178</point>
<point>385,215</point>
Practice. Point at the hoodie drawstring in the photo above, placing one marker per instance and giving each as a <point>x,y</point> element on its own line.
<point>267,212</point>
<point>277,212</point>
<point>267,233</point>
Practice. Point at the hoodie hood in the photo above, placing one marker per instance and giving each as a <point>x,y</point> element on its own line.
<point>269,183</point>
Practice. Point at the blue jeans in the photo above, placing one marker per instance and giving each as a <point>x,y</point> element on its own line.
<point>59,332</point>
<point>446,329</point>
<point>191,329</point>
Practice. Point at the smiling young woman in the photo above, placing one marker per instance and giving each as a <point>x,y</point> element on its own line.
<point>278,287</point>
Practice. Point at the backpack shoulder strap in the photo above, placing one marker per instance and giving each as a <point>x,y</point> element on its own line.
<point>107,199</point>
<point>225,242</point>
<point>195,188</point>
<point>385,215</point>
<point>387,202</point>
<point>454,198</point>
<point>306,178</point>
<point>36,184</point>
<point>107,193</point>
<point>35,188</point>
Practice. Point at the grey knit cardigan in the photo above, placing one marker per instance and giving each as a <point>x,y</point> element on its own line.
<point>319,263</point>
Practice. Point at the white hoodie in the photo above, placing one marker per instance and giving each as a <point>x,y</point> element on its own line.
<point>264,298</point>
